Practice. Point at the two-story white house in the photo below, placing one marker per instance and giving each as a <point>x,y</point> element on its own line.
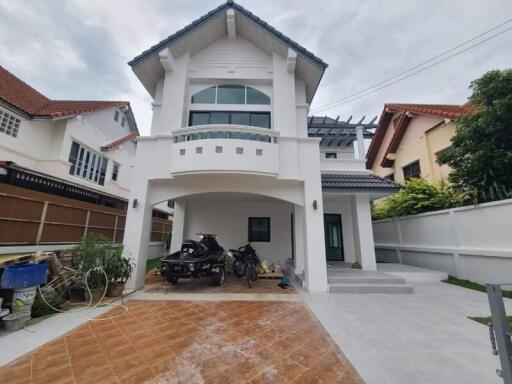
<point>88,143</point>
<point>232,146</point>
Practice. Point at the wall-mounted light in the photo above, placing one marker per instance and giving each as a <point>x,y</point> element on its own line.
<point>135,203</point>
<point>315,205</point>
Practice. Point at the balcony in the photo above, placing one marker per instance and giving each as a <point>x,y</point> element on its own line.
<point>224,148</point>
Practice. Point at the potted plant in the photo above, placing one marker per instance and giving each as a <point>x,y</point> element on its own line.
<point>118,269</point>
<point>89,259</point>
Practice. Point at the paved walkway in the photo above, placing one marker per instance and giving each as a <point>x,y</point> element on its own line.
<point>421,338</point>
<point>191,342</point>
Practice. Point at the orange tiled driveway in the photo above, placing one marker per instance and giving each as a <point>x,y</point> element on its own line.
<point>191,342</point>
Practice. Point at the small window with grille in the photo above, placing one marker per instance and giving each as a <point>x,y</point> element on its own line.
<point>9,124</point>
<point>412,170</point>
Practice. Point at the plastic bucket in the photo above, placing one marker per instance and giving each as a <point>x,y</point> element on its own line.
<point>24,275</point>
<point>22,299</point>
<point>15,321</point>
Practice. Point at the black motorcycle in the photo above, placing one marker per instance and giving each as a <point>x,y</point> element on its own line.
<point>204,258</point>
<point>245,263</point>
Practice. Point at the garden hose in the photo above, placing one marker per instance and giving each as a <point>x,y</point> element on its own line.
<point>89,305</point>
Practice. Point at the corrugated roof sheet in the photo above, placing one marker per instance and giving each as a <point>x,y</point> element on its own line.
<point>347,181</point>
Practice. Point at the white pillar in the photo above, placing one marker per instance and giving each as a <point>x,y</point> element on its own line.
<point>363,226</point>
<point>298,236</point>
<point>360,142</point>
<point>315,259</point>
<point>178,226</point>
<point>137,232</point>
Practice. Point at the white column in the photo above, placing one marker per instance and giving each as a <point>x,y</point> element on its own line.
<point>298,236</point>
<point>363,226</point>
<point>315,259</point>
<point>360,142</point>
<point>178,226</point>
<point>137,232</point>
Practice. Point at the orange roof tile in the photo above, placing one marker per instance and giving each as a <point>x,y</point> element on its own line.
<point>118,142</point>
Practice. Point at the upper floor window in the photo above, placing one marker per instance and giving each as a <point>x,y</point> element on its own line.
<point>115,172</point>
<point>230,94</point>
<point>87,164</point>
<point>331,155</point>
<point>9,124</point>
<point>412,170</point>
<point>254,119</point>
<point>123,120</point>
<point>116,116</point>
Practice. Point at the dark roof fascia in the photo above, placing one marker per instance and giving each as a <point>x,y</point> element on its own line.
<point>146,55</point>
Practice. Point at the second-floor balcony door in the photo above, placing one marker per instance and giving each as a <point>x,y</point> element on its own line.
<point>333,237</point>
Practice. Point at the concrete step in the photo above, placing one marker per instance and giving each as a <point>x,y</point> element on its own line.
<point>364,280</point>
<point>370,288</point>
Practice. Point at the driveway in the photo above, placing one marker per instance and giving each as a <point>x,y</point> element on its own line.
<point>421,338</point>
<point>190,342</point>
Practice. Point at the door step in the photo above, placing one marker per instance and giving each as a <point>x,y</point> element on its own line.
<point>335,280</point>
<point>371,288</point>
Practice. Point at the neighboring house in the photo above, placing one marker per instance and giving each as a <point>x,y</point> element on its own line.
<point>232,146</point>
<point>88,143</point>
<point>409,139</point>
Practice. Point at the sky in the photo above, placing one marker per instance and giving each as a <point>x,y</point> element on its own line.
<point>79,49</point>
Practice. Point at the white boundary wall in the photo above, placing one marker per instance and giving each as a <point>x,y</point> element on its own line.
<point>473,242</point>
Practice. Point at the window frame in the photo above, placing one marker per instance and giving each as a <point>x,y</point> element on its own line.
<point>251,234</point>
<point>230,113</point>
<point>87,164</point>
<point>116,115</point>
<point>409,166</point>
<point>329,155</point>
<point>115,172</point>
<point>10,124</point>
<point>222,86</point>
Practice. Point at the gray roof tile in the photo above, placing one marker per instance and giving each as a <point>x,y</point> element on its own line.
<point>344,181</point>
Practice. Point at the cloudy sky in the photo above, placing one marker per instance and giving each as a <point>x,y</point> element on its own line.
<point>79,49</point>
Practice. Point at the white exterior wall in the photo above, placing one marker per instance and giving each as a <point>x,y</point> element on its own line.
<point>471,242</point>
<point>44,146</point>
<point>204,217</point>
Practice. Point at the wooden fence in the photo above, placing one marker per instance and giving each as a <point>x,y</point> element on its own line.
<point>34,218</point>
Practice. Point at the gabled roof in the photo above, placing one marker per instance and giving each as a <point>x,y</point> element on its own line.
<point>401,122</point>
<point>116,143</point>
<point>337,182</point>
<point>212,15</point>
<point>19,95</point>
<point>211,27</point>
<point>450,111</point>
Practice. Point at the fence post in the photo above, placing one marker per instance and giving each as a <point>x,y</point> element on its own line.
<point>87,222</point>
<point>399,233</point>
<point>115,230</point>
<point>41,223</point>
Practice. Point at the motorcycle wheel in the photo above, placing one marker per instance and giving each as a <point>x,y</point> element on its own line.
<point>218,278</point>
<point>238,268</point>
<point>249,272</point>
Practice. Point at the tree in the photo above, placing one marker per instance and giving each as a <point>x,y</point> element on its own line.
<point>481,154</point>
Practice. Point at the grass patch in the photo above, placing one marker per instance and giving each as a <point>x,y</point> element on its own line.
<point>487,320</point>
<point>474,286</point>
<point>152,264</point>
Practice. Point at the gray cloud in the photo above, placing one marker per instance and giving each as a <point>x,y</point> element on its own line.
<point>79,49</point>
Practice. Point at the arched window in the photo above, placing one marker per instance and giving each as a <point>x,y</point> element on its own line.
<point>230,94</point>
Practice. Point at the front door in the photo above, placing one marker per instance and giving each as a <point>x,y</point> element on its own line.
<point>333,237</point>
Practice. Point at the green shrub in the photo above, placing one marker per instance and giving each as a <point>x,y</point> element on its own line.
<point>416,196</point>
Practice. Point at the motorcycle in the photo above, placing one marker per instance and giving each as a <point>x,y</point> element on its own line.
<point>204,258</point>
<point>245,263</point>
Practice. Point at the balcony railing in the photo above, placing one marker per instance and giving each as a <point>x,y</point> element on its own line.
<point>225,148</point>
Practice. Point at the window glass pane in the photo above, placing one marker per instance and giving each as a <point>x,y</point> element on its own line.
<point>259,229</point>
<point>73,157</point>
<point>230,94</point>
<point>331,155</point>
<point>256,97</point>
<point>240,118</point>
<point>219,117</point>
<point>260,120</point>
<point>199,118</point>
<point>206,96</point>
